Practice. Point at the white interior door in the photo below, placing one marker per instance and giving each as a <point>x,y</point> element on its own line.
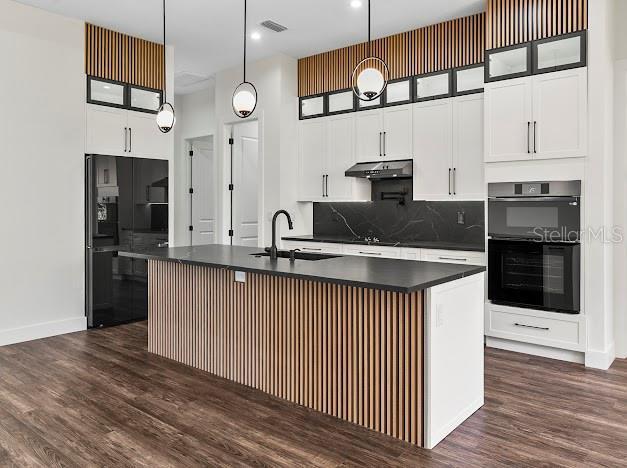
<point>245,180</point>
<point>397,136</point>
<point>433,141</point>
<point>369,135</point>
<point>560,114</point>
<point>508,119</point>
<point>204,199</point>
<point>468,166</point>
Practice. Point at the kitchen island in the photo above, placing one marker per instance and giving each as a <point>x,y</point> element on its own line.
<point>392,345</point>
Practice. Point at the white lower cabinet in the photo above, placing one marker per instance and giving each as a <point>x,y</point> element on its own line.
<point>380,251</point>
<point>551,329</point>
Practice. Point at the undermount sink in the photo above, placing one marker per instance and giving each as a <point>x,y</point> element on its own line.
<point>297,255</point>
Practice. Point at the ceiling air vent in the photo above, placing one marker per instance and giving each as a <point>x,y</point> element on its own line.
<point>272,26</point>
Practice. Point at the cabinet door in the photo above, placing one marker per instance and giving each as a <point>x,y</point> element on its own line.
<point>508,120</point>
<point>339,156</point>
<point>560,114</point>
<point>369,135</point>
<point>433,140</point>
<point>468,147</point>
<point>397,138</point>
<point>145,139</point>
<point>106,131</point>
<point>311,156</point>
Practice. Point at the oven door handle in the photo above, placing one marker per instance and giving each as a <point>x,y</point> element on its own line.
<point>534,199</point>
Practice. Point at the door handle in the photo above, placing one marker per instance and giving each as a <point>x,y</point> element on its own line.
<point>326,187</point>
<point>147,193</point>
<point>449,181</point>
<point>454,181</point>
<point>531,326</point>
<point>380,144</point>
<point>370,253</point>
<point>125,139</point>
<point>385,143</point>
<point>535,134</point>
<point>528,137</point>
<point>453,259</point>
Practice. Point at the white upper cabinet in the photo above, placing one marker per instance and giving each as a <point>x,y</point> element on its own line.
<point>560,114</point>
<point>508,119</point>
<point>120,132</point>
<point>106,131</point>
<point>369,135</point>
<point>537,117</point>
<point>433,143</point>
<point>384,134</point>
<point>468,179</point>
<point>397,132</point>
<point>312,147</point>
<point>339,156</point>
<point>448,143</point>
<point>145,138</point>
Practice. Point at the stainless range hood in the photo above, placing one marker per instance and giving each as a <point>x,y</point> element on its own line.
<point>382,170</point>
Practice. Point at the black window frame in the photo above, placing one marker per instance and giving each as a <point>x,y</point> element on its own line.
<point>339,91</point>
<point>448,71</point>
<point>583,62</point>
<point>127,95</point>
<point>468,91</point>
<point>315,116</point>
<point>511,76</point>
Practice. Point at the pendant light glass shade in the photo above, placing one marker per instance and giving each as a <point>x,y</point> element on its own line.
<point>244,99</point>
<point>371,75</point>
<point>166,117</point>
<point>370,78</point>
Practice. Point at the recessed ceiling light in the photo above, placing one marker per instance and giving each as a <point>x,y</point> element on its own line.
<point>255,36</point>
<point>356,3</point>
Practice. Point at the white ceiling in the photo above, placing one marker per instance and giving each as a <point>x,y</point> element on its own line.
<point>207,34</point>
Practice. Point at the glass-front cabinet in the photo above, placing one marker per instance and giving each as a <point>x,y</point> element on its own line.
<point>508,62</point>
<point>468,80</point>
<point>398,92</point>
<point>339,102</point>
<point>106,92</point>
<point>559,53</point>
<point>312,106</point>
<point>144,99</point>
<point>433,86</point>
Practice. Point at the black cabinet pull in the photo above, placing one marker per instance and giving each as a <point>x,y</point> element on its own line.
<point>125,139</point>
<point>323,185</point>
<point>326,186</point>
<point>531,326</point>
<point>535,135</point>
<point>449,181</point>
<point>380,144</point>
<point>454,181</point>
<point>528,137</point>
<point>130,140</point>
<point>385,143</point>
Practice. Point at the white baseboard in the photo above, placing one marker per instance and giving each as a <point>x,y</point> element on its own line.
<point>536,350</point>
<point>433,439</point>
<point>601,359</point>
<point>42,330</point>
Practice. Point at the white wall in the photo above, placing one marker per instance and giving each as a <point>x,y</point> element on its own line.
<point>195,117</point>
<point>276,81</point>
<point>598,185</point>
<point>42,133</point>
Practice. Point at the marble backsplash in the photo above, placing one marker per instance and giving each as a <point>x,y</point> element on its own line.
<point>416,221</point>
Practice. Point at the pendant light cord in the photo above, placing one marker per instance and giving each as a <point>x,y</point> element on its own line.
<point>369,40</point>
<point>165,92</point>
<point>245,19</point>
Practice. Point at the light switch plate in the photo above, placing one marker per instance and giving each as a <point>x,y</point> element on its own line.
<point>240,276</point>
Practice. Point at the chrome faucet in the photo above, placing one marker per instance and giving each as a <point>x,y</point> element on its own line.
<point>273,249</point>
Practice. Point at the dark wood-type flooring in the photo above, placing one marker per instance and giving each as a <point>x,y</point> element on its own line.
<point>98,398</point>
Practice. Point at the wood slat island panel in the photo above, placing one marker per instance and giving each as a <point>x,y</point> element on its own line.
<point>353,353</point>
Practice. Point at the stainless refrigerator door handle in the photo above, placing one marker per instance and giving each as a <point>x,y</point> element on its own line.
<point>535,135</point>
<point>147,193</point>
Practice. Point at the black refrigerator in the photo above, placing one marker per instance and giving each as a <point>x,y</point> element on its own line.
<point>126,208</point>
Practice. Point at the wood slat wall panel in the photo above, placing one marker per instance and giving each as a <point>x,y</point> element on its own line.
<point>510,22</point>
<point>116,56</point>
<point>353,353</point>
<point>437,47</point>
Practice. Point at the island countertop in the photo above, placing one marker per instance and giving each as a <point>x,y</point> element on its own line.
<point>403,276</point>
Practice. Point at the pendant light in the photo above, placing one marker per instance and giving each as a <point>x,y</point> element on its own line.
<point>245,95</point>
<point>371,75</point>
<point>166,118</point>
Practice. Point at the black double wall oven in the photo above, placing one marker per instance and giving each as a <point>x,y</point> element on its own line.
<point>534,248</point>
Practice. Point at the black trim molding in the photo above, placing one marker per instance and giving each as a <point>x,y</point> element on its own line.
<point>126,96</point>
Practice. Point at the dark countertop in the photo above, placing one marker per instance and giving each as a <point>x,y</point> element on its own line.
<point>415,245</point>
<point>374,273</point>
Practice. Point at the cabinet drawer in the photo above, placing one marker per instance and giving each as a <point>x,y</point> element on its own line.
<point>561,332</point>
<point>316,247</point>
<point>371,251</point>
<point>453,256</point>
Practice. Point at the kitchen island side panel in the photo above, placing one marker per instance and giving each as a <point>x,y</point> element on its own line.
<point>353,353</point>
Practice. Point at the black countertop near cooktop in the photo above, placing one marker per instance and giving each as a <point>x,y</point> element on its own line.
<point>375,273</point>
<point>415,244</point>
